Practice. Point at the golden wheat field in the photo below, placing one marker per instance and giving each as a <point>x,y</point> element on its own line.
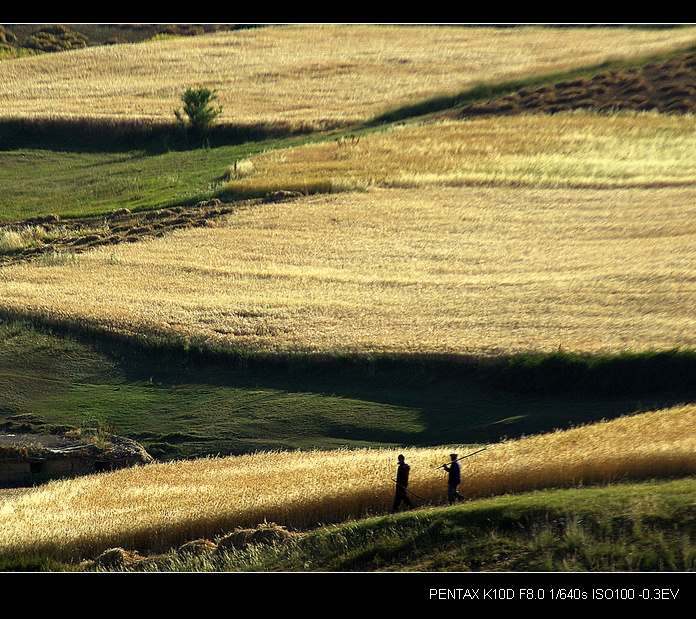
<point>160,506</point>
<point>312,75</point>
<point>477,271</point>
<point>573,150</point>
<point>485,236</point>
<point>476,237</point>
<point>575,231</point>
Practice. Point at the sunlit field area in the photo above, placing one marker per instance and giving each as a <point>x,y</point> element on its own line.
<point>306,75</point>
<point>452,270</point>
<point>580,238</point>
<point>363,287</point>
<point>159,506</point>
<point>572,150</point>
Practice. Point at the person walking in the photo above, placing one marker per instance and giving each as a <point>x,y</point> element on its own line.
<point>401,495</point>
<point>454,478</point>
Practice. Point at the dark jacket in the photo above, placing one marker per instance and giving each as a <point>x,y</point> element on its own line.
<point>402,474</point>
<point>455,476</point>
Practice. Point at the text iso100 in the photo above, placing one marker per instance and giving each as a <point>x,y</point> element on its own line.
<point>632,594</point>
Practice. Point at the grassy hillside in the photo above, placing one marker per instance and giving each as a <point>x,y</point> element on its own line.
<point>209,498</point>
<point>459,279</point>
<point>629,528</point>
<point>599,530</point>
<point>182,405</point>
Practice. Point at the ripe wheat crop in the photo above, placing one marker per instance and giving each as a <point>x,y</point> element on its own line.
<point>306,75</point>
<point>475,237</point>
<point>160,506</point>
<point>473,271</point>
<point>572,150</point>
<point>579,236</point>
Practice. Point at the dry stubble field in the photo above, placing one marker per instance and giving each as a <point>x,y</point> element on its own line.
<point>307,75</point>
<point>452,270</point>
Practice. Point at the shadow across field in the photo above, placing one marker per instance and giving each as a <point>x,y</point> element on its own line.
<point>183,404</point>
<point>187,404</point>
<point>419,401</point>
<point>480,400</point>
<point>664,86</point>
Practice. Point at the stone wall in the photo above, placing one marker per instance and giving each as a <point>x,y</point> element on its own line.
<point>42,462</point>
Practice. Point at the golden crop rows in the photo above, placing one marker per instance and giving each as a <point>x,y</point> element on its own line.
<point>595,254</point>
<point>312,75</point>
<point>487,238</point>
<point>447,270</point>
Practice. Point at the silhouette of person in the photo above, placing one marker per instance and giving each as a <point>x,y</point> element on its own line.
<point>401,495</point>
<point>454,478</point>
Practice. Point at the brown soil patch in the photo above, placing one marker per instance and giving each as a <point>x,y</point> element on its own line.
<point>121,226</point>
<point>665,87</point>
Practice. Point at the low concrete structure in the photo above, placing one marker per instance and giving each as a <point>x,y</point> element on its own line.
<point>30,459</point>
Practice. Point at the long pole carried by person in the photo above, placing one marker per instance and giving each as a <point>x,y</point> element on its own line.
<point>407,490</point>
<point>462,458</point>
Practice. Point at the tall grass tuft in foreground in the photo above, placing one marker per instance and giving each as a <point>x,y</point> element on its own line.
<point>157,507</point>
<point>12,240</point>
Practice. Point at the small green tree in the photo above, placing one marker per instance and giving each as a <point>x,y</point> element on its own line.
<point>198,113</point>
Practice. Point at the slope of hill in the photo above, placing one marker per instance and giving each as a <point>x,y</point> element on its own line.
<point>663,87</point>
<point>666,90</point>
<point>306,76</point>
<point>61,37</point>
<point>74,235</point>
<point>306,490</point>
<point>625,528</point>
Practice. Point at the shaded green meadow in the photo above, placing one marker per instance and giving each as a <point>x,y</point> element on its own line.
<point>183,404</point>
<point>34,181</point>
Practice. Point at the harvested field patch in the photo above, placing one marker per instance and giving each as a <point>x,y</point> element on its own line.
<point>75,235</point>
<point>306,75</point>
<point>667,86</point>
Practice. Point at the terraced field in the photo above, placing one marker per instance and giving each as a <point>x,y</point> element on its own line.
<point>596,259</point>
<point>663,87</point>
<point>309,75</point>
<point>552,218</point>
